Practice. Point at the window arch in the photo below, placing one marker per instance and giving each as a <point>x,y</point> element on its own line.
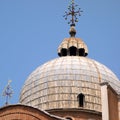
<point>68,118</point>
<point>73,51</point>
<point>81,52</point>
<point>64,52</point>
<point>81,99</point>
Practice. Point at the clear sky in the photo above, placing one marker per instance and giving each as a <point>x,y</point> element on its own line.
<point>31,31</point>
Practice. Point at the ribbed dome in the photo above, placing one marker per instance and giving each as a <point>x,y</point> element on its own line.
<point>72,42</point>
<point>72,46</point>
<point>57,83</point>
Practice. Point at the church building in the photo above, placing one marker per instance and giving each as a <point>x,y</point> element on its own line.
<point>70,87</point>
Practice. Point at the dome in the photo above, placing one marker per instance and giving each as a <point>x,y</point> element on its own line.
<point>70,83</point>
<point>57,84</point>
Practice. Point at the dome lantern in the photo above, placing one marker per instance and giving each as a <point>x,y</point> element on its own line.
<point>72,46</point>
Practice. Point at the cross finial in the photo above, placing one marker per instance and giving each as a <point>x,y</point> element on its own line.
<point>8,92</point>
<point>73,13</point>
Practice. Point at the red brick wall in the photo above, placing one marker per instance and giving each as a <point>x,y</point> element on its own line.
<point>21,112</point>
<point>112,104</point>
<point>119,107</point>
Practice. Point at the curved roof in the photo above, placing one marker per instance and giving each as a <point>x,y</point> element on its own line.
<point>22,111</point>
<point>57,83</point>
<point>73,41</point>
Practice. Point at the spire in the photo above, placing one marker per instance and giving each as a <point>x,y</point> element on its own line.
<point>73,13</point>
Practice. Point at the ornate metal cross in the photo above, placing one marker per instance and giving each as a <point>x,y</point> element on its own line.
<point>8,92</point>
<point>73,13</point>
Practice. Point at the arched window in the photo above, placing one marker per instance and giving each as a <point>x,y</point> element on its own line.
<point>81,99</point>
<point>73,51</point>
<point>64,52</point>
<point>81,52</point>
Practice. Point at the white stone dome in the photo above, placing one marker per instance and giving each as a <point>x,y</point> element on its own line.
<point>57,83</point>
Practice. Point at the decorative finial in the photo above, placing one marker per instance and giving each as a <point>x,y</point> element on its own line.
<point>8,92</point>
<point>73,13</point>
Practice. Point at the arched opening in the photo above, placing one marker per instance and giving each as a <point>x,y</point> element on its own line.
<point>81,99</point>
<point>81,52</point>
<point>73,51</point>
<point>68,118</point>
<point>64,52</point>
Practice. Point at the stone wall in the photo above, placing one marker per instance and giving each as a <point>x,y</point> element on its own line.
<point>112,104</point>
<point>77,114</point>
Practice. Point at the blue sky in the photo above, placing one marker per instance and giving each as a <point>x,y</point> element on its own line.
<point>31,31</point>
